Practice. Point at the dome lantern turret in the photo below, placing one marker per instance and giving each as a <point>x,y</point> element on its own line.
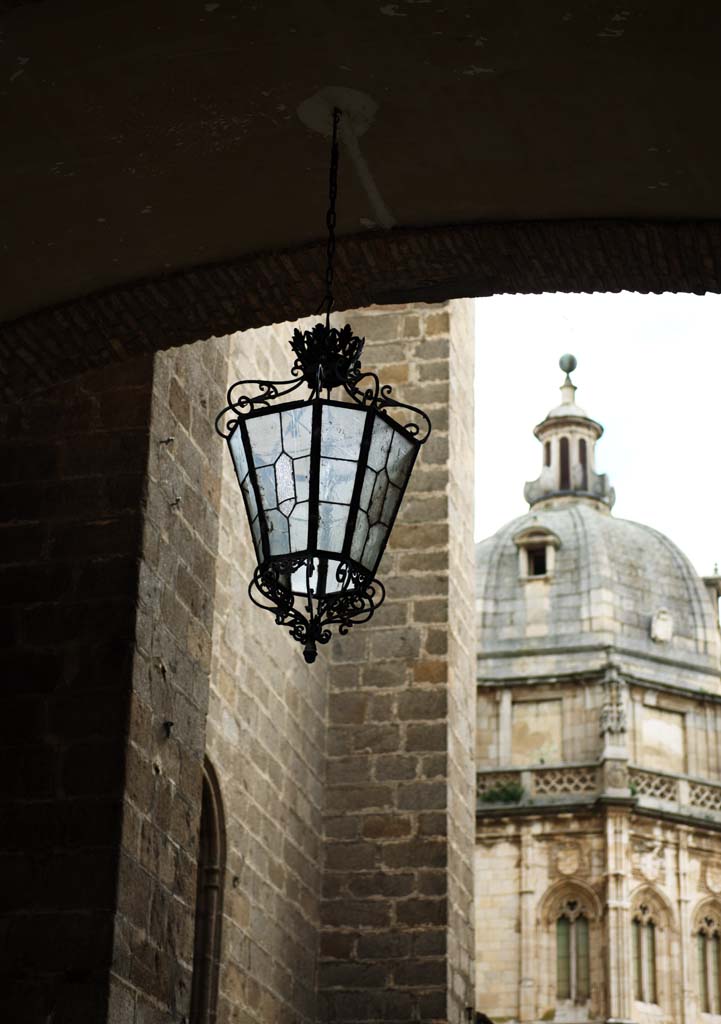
<point>569,437</point>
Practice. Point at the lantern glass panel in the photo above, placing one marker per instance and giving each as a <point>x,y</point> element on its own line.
<point>337,479</point>
<point>266,486</point>
<point>360,535</point>
<point>367,489</point>
<point>284,484</point>
<point>255,530</point>
<point>371,552</point>
<point>301,473</point>
<point>380,443</point>
<point>378,497</point>
<point>264,435</point>
<point>297,427</point>
<point>299,527</point>
<point>390,505</point>
<point>400,459</point>
<point>342,431</point>
<point>278,533</point>
<point>237,451</point>
<point>250,502</point>
<point>332,521</point>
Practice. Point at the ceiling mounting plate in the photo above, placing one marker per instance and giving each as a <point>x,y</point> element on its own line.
<point>358,109</point>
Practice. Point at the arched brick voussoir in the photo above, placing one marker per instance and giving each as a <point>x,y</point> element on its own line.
<point>406,264</point>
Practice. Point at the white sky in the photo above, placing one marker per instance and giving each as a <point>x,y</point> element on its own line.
<point>649,370</point>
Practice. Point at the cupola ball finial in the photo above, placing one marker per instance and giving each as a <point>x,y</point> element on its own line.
<point>568,363</point>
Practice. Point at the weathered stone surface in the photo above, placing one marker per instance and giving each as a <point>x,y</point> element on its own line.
<point>70,544</point>
<point>342,784</point>
<point>423,840</point>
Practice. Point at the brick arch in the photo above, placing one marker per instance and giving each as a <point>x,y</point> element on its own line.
<point>426,265</point>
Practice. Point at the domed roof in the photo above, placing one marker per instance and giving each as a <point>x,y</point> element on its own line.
<point>613,583</point>
<point>569,579</point>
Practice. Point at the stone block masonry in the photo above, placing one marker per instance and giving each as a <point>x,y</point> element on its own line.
<point>72,472</point>
<point>266,739</point>
<point>397,931</point>
<point>154,921</point>
<point>130,652</point>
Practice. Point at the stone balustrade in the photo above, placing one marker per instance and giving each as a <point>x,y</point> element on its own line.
<point>574,783</point>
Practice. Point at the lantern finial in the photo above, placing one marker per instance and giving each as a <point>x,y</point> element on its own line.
<point>327,356</point>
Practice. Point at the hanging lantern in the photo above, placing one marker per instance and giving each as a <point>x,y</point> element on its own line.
<point>322,478</point>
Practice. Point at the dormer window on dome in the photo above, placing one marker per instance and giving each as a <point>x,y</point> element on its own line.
<point>536,552</point>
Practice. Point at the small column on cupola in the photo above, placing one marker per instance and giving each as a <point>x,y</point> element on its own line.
<point>568,437</point>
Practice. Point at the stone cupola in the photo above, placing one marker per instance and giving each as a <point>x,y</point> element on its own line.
<point>569,437</point>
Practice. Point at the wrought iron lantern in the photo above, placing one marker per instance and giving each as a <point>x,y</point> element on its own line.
<point>322,478</point>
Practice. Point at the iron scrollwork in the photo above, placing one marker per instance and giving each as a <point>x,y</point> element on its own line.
<point>270,590</point>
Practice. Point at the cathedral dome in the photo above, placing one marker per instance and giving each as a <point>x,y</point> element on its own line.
<point>569,579</point>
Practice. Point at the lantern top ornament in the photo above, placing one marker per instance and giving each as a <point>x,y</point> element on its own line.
<point>322,478</point>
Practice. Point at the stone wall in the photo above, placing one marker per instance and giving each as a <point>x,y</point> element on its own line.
<point>132,652</point>
<point>541,722</point>
<point>266,740</point>
<point>673,870</point>
<point>153,931</point>
<point>73,468</point>
<point>396,941</point>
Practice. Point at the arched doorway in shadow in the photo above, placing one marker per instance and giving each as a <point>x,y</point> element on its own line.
<point>209,902</point>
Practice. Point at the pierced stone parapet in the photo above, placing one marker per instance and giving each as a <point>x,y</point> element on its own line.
<point>660,787</point>
<point>552,781</point>
<point>705,796</point>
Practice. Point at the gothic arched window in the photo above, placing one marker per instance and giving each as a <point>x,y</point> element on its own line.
<point>644,955</point>
<point>209,903</point>
<point>573,974</point>
<point>708,952</point>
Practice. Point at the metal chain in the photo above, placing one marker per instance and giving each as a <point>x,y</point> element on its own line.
<point>330,217</point>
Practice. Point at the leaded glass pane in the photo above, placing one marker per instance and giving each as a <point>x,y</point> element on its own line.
<point>372,550</point>
<point>400,459</point>
<point>284,478</point>
<point>379,496</point>
<point>337,478</point>
<point>563,958</point>
<point>237,451</point>
<point>360,535</point>
<point>341,431</point>
<point>301,471</point>
<point>715,994</point>
<point>255,530</point>
<point>332,521</point>
<point>583,981</point>
<point>266,487</point>
<point>367,488</point>
<point>299,527</point>
<point>278,537</point>
<point>390,505</point>
<point>332,583</point>
<point>264,436</point>
<point>381,439</point>
<point>297,427</point>
<point>249,495</point>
